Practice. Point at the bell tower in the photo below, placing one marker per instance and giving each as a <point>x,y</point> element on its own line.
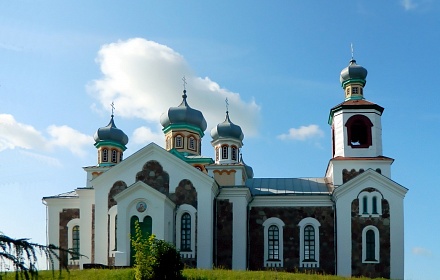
<point>356,122</point>
<point>356,130</point>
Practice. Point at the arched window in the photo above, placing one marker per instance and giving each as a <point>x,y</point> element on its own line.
<point>75,242</point>
<point>192,143</point>
<point>234,153</point>
<point>114,156</point>
<point>120,156</point>
<point>104,155</point>
<point>225,151</point>
<point>374,205</point>
<point>179,141</point>
<point>359,131</point>
<point>273,242</point>
<point>365,205</point>
<point>185,232</point>
<point>309,242</point>
<point>370,245</point>
<point>370,204</point>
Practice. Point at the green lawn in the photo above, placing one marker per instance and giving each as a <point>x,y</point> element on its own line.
<point>193,274</point>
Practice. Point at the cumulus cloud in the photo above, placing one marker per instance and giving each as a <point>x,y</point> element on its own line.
<point>420,251</point>
<point>18,135</point>
<point>302,133</point>
<point>67,137</point>
<point>144,79</point>
<point>144,135</point>
<point>408,4</point>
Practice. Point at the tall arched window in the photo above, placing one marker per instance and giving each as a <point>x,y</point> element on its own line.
<point>225,151</point>
<point>370,245</point>
<point>104,155</point>
<point>234,152</point>
<point>192,143</point>
<point>114,156</point>
<point>309,243</point>
<point>375,205</point>
<point>179,141</point>
<point>185,232</point>
<point>273,244</point>
<point>75,242</point>
<point>365,205</point>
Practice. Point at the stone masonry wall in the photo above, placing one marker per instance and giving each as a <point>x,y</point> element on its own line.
<point>224,234</point>
<point>291,216</point>
<point>382,223</point>
<point>65,216</point>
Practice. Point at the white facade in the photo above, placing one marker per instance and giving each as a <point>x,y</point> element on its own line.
<point>349,222</point>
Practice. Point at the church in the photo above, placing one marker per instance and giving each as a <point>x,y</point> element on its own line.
<point>350,222</point>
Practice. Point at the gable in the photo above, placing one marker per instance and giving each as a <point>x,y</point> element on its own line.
<point>134,168</point>
<point>367,180</point>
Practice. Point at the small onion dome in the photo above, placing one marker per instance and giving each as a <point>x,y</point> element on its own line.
<point>183,114</point>
<point>227,129</point>
<point>353,73</point>
<point>111,133</point>
<point>249,170</point>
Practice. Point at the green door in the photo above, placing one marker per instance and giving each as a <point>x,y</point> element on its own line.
<point>146,227</point>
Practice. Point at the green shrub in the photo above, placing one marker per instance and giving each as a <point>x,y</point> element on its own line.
<point>155,259</point>
<point>167,263</point>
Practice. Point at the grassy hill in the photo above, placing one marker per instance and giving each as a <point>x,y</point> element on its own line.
<point>190,274</point>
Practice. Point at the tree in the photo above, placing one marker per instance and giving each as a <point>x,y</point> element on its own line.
<point>22,255</point>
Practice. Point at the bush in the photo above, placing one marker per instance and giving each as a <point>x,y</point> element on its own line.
<point>167,263</point>
<point>155,259</point>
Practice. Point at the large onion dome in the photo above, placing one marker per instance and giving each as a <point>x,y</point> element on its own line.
<point>227,129</point>
<point>183,114</point>
<point>111,133</point>
<point>353,73</point>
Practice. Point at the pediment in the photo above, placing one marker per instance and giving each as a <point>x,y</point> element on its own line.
<point>369,179</point>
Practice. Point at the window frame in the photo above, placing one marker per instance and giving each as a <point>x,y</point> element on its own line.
<point>370,204</point>
<point>234,153</point>
<point>225,151</point>
<point>182,210</point>
<point>366,246</point>
<point>315,224</point>
<point>114,156</point>
<point>185,232</point>
<point>105,155</point>
<point>178,141</point>
<point>192,143</point>
<point>70,226</point>
<point>268,262</point>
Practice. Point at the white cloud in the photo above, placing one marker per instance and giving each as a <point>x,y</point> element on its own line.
<point>67,137</point>
<point>420,251</point>
<point>47,160</point>
<point>144,135</point>
<point>144,79</point>
<point>409,4</point>
<point>302,133</point>
<point>17,135</point>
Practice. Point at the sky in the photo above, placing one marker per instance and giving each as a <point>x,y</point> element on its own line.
<point>62,63</point>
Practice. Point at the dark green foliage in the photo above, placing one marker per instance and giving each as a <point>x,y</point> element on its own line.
<point>22,255</point>
<point>155,259</point>
<point>167,263</point>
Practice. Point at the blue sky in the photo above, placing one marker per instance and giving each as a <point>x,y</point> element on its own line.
<point>63,62</point>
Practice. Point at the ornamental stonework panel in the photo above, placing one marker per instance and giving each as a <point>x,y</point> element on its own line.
<point>117,187</point>
<point>382,223</point>
<point>291,216</point>
<point>153,175</point>
<point>65,217</point>
<point>224,234</point>
<point>185,193</point>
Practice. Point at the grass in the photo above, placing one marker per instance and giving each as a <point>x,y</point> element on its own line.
<point>190,274</point>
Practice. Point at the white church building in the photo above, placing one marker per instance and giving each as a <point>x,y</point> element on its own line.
<point>349,222</point>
